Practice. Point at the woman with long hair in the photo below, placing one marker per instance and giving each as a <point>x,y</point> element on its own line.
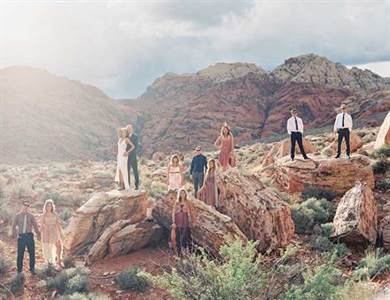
<point>51,234</point>
<point>122,172</point>
<point>182,216</point>
<point>175,174</point>
<point>212,191</point>
<point>225,144</point>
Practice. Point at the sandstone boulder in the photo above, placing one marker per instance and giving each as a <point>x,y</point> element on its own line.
<point>385,232</point>
<point>210,229</point>
<point>257,210</point>
<point>383,137</point>
<point>101,211</point>
<point>337,175</point>
<point>356,216</point>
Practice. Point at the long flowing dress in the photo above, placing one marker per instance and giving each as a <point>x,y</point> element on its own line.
<point>209,192</point>
<point>226,146</point>
<point>183,235</point>
<point>122,164</point>
<point>50,236</point>
<point>174,182</point>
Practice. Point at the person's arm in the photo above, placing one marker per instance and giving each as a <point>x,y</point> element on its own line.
<point>301,121</point>
<point>182,177</point>
<point>232,142</point>
<point>59,227</point>
<point>335,124</point>
<point>350,123</point>
<point>218,142</point>
<point>192,165</point>
<point>288,127</point>
<point>14,225</point>
<point>132,147</point>
<point>36,228</point>
<point>168,171</point>
<point>205,163</point>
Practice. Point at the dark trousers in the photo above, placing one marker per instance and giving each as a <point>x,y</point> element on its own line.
<point>198,181</point>
<point>132,163</point>
<point>26,240</point>
<point>343,133</point>
<point>296,137</point>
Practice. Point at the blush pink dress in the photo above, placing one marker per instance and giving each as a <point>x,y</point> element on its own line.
<point>226,146</point>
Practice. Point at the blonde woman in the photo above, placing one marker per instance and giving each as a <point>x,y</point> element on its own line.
<point>225,144</point>
<point>51,234</point>
<point>122,172</point>
<point>182,217</point>
<point>212,191</point>
<point>175,174</point>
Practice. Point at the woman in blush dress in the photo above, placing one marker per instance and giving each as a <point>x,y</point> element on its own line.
<point>51,234</point>
<point>225,143</point>
<point>212,191</point>
<point>175,174</point>
<point>122,174</point>
<point>182,217</point>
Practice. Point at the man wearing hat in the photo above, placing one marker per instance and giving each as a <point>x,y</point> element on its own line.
<point>22,229</point>
<point>343,127</point>
<point>295,130</point>
<point>198,168</point>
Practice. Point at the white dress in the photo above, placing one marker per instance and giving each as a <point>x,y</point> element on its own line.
<point>174,178</point>
<point>122,164</point>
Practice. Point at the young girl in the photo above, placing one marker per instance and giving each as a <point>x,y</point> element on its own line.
<point>175,174</point>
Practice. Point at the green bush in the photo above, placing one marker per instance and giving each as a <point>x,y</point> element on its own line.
<point>310,192</point>
<point>4,264</point>
<point>381,166</point>
<point>381,153</point>
<point>130,279</point>
<point>383,185</point>
<point>17,283</point>
<point>69,281</point>
<point>68,262</point>
<point>321,243</point>
<point>372,265</point>
<point>47,271</point>
<point>311,212</point>
<point>65,215</point>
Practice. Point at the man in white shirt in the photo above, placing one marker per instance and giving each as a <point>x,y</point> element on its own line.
<point>343,126</point>
<point>295,130</point>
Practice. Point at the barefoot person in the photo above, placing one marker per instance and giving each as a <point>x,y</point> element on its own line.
<point>51,234</point>
<point>198,167</point>
<point>212,192</point>
<point>295,130</point>
<point>22,228</point>
<point>225,144</point>
<point>182,216</point>
<point>122,175</point>
<point>132,162</point>
<point>343,127</point>
<point>175,174</point>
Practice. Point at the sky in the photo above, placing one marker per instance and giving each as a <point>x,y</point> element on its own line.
<point>123,46</point>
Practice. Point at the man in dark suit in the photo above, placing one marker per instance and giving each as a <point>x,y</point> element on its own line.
<point>132,162</point>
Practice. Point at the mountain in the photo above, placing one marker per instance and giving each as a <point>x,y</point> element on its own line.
<point>179,111</point>
<point>51,118</point>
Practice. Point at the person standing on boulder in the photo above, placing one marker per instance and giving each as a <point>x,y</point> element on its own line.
<point>22,229</point>
<point>132,162</point>
<point>295,130</point>
<point>198,168</point>
<point>343,127</point>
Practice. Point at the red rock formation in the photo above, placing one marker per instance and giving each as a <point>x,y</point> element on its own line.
<point>356,216</point>
<point>338,175</point>
<point>385,232</point>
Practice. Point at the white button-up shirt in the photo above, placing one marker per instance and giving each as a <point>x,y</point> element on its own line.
<point>338,124</point>
<point>291,126</point>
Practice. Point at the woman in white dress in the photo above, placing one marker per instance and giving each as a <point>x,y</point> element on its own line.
<point>122,172</point>
<point>175,174</point>
<point>51,234</point>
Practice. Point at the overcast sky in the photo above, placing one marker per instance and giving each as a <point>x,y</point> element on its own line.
<point>122,46</point>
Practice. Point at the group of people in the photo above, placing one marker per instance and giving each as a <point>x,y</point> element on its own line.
<point>47,230</point>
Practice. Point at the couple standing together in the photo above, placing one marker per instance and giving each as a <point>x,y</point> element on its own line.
<point>48,232</point>
<point>127,157</point>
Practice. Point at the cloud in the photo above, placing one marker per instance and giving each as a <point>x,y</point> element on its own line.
<point>122,46</point>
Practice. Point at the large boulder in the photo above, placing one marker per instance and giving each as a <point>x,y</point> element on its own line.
<point>356,216</point>
<point>101,211</point>
<point>383,137</point>
<point>337,175</point>
<point>257,210</point>
<point>210,229</point>
<point>385,232</point>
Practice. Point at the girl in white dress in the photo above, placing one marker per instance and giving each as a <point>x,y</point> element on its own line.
<point>122,172</point>
<point>175,174</point>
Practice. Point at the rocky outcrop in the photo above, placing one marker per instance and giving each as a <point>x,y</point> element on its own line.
<point>383,137</point>
<point>355,143</point>
<point>91,220</point>
<point>209,229</point>
<point>385,232</point>
<point>356,216</point>
<point>257,210</point>
<point>338,175</point>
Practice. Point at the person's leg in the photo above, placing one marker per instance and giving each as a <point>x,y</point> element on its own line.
<point>339,141</point>
<point>134,166</point>
<point>293,140</point>
<point>31,251</point>
<point>196,183</point>
<point>347,142</point>
<point>300,144</point>
<point>201,180</point>
<point>129,168</point>
<point>21,247</point>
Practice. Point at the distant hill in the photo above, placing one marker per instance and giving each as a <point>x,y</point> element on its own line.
<point>52,118</point>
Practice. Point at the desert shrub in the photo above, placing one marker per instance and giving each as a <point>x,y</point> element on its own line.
<point>78,296</point>
<point>311,212</point>
<point>381,166</point>
<point>157,190</point>
<point>68,262</point>
<point>4,264</point>
<point>327,152</point>
<point>355,290</point>
<point>372,265</point>
<point>311,192</point>
<point>47,271</point>
<point>65,215</point>
<point>237,276</point>
<point>383,185</point>
<point>69,281</point>
<point>130,279</point>
<point>321,243</point>
<point>381,153</point>
<point>16,284</point>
